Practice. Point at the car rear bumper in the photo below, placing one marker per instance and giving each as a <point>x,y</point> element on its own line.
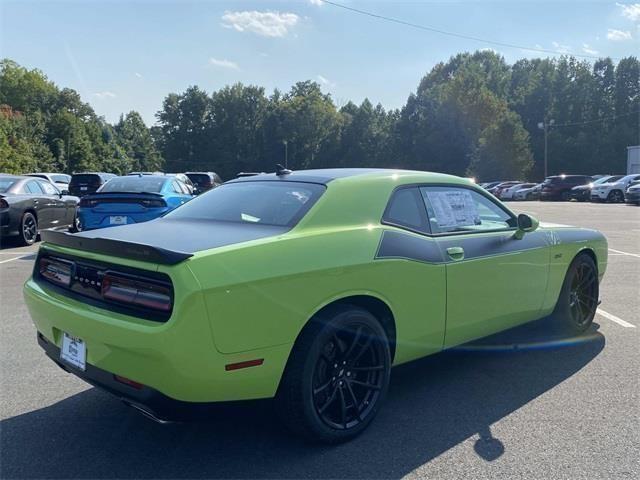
<point>94,220</point>
<point>177,359</point>
<point>632,197</point>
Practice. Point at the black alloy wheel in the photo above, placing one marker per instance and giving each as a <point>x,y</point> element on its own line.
<point>337,375</point>
<point>28,229</point>
<point>615,196</point>
<point>578,300</point>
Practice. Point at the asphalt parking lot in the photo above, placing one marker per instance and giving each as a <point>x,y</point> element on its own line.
<point>530,403</point>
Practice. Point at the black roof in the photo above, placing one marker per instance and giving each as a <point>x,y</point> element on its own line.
<point>322,176</point>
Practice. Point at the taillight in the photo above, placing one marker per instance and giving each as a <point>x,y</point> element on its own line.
<point>57,271</point>
<point>88,202</point>
<point>136,292</point>
<point>159,203</point>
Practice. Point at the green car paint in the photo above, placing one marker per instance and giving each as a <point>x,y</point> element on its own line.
<point>250,300</point>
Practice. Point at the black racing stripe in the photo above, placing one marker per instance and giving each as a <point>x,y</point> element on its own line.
<point>578,235</point>
<point>395,244</point>
<point>500,244</point>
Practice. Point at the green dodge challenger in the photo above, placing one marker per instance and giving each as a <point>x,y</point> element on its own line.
<point>305,286</point>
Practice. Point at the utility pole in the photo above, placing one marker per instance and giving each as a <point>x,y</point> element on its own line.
<point>544,125</point>
<point>286,154</point>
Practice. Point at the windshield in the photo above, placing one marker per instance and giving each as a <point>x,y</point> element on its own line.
<point>133,185</point>
<point>264,203</point>
<point>6,184</point>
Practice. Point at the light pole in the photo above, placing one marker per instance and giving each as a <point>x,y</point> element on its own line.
<point>545,126</point>
<point>286,154</point>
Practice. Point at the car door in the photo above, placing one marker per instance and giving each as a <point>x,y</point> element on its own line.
<point>57,206</point>
<point>494,280</point>
<point>40,202</point>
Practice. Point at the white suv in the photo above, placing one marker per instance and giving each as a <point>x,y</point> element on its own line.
<point>614,191</point>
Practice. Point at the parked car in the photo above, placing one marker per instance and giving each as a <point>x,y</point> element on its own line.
<point>131,199</point>
<point>531,193</point>
<point>146,173</point>
<point>497,190</point>
<point>613,192</point>
<point>226,298</point>
<point>558,187</point>
<point>632,195</point>
<point>489,185</point>
<point>204,181</point>
<point>60,180</point>
<point>29,205</point>
<point>508,193</point>
<point>582,193</point>
<point>184,179</point>
<point>87,183</point>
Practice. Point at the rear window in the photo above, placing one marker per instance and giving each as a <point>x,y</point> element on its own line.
<point>86,178</point>
<point>263,203</point>
<point>60,178</point>
<point>134,184</point>
<point>6,184</point>
<point>199,178</point>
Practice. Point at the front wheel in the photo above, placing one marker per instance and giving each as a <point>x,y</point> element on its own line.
<point>578,298</point>
<point>615,196</point>
<point>336,377</point>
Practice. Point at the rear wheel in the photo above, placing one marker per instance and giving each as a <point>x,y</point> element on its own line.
<point>615,196</point>
<point>28,229</point>
<point>564,196</point>
<point>336,377</point>
<point>578,299</point>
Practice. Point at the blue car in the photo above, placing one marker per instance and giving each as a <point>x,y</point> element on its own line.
<point>131,199</point>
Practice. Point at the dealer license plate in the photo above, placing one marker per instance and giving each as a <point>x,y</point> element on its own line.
<point>74,351</point>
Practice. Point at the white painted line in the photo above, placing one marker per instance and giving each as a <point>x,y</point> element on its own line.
<point>620,252</point>
<point>17,258</point>
<point>15,253</point>
<point>615,319</point>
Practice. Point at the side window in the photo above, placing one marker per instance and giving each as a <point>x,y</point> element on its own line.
<point>33,187</point>
<point>48,188</point>
<point>406,209</point>
<point>175,186</point>
<point>455,209</point>
<point>183,187</point>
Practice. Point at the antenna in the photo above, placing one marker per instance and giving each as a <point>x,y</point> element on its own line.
<point>280,170</point>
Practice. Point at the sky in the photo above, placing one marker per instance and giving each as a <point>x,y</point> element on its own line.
<point>128,55</point>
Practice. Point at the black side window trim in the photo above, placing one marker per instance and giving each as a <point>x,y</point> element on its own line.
<point>487,195</point>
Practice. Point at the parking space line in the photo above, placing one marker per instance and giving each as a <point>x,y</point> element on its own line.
<point>17,258</point>
<point>620,252</point>
<point>615,319</point>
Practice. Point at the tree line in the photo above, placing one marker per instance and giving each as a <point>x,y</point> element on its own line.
<point>473,115</point>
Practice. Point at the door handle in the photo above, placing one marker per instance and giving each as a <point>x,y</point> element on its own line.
<point>455,253</point>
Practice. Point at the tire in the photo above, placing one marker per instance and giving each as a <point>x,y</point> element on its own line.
<point>564,196</point>
<point>579,295</point>
<point>337,376</point>
<point>28,229</point>
<point>615,196</point>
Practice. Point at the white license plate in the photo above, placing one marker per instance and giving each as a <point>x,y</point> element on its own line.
<point>83,189</point>
<point>118,220</point>
<point>73,351</point>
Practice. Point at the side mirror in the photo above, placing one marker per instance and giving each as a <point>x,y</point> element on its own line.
<point>526,224</point>
<point>64,192</point>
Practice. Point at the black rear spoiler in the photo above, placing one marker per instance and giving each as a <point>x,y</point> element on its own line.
<point>134,251</point>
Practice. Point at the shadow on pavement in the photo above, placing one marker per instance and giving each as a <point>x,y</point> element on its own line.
<point>433,405</point>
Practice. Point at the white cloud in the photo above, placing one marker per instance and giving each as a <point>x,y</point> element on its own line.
<point>267,24</point>
<point>224,63</point>
<point>618,35</point>
<point>316,2</point>
<point>561,48</point>
<point>587,49</point>
<point>105,94</point>
<point>139,75</point>
<point>325,81</point>
<point>630,11</point>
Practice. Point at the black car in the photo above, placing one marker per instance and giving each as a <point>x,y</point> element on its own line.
<point>203,181</point>
<point>632,195</point>
<point>28,205</point>
<point>558,187</point>
<point>87,183</point>
<point>582,193</point>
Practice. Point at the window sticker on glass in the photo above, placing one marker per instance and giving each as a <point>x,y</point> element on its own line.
<point>454,208</point>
